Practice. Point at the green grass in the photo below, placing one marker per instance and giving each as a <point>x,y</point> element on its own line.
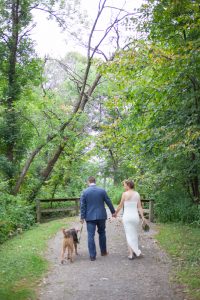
<point>22,261</point>
<point>183,245</point>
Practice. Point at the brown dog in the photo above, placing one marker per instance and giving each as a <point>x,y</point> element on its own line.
<point>70,242</point>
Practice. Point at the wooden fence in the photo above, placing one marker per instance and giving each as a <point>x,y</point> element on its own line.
<point>41,210</point>
<point>148,211</point>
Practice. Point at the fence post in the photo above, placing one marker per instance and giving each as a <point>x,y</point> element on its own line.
<point>77,206</point>
<point>38,210</point>
<point>151,210</point>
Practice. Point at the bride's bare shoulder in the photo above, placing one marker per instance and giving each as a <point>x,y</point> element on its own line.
<point>136,193</point>
<point>125,193</point>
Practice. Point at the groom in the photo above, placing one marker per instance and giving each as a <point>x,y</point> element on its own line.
<point>94,213</point>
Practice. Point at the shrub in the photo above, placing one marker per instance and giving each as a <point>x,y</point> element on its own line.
<point>175,206</point>
<point>172,204</point>
<point>15,216</point>
<point>115,193</point>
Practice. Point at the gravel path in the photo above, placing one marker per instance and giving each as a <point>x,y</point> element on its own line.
<point>113,277</point>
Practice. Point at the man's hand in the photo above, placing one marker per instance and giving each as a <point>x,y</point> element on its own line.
<point>82,221</point>
<point>114,215</point>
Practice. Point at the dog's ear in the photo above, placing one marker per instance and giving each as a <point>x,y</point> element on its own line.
<point>64,231</point>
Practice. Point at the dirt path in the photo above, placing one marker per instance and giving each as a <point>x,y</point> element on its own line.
<point>113,277</point>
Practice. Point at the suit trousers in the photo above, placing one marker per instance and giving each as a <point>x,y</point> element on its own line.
<point>91,228</point>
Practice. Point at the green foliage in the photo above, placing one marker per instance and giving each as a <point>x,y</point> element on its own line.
<point>152,110</point>
<point>15,216</point>
<point>173,205</point>
<point>141,122</point>
<point>115,193</point>
<point>21,261</point>
<point>20,69</point>
<point>182,243</point>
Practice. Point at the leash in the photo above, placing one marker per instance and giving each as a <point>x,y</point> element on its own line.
<point>80,233</point>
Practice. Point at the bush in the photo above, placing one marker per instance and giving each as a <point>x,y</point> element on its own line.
<point>15,216</point>
<point>115,193</point>
<point>175,206</point>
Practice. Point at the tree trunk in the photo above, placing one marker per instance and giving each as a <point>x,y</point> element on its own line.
<point>13,90</point>
<point>25,169</point>
<point>115,168</point>
<point>194,182</point>
<point>32,156</point>
<point>47,171</point>
<point>50,138</point>
<point>81,101</point>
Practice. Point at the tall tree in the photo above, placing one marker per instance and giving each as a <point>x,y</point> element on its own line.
<point>20,67</point>
<point>155,88</point>
<point>85,92</point>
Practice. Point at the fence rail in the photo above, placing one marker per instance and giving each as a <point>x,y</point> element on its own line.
<point>150,210</point>
<point>40,210</point>
<point>76,207</point>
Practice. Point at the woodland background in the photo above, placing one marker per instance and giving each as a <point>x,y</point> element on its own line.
<point>133,112</point>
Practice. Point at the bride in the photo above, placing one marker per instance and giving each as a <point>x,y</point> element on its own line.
<point>131,203</point>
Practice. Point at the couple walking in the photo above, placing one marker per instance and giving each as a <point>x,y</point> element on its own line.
<point>93,211</point>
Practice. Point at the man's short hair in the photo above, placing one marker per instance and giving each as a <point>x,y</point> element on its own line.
<point>91,179</point>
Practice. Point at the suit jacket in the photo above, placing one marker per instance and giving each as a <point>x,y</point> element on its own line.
<point>92,204</point>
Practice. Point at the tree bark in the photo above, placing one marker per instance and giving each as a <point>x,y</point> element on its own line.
<point>25,169</point>
<point>46,172</point>
<point>194,182</point>
<point>12,91</point>
<point>32,156</point>
<point>115,168</point>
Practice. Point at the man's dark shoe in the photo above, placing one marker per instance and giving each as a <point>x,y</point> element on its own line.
<point>92,258</point>
<point>104,253</point>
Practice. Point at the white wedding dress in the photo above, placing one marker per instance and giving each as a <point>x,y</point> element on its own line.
<point>131,221</point>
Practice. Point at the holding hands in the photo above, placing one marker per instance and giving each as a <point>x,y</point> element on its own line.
<point>114,215</point>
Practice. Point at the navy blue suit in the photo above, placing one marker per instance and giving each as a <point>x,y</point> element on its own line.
<point>93,210</point>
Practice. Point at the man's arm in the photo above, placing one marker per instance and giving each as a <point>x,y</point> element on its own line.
<point>109,203</point>
<point>83,206</point>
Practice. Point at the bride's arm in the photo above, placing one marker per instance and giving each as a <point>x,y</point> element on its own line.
<point>120,205</point>
<point>140,209</point>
